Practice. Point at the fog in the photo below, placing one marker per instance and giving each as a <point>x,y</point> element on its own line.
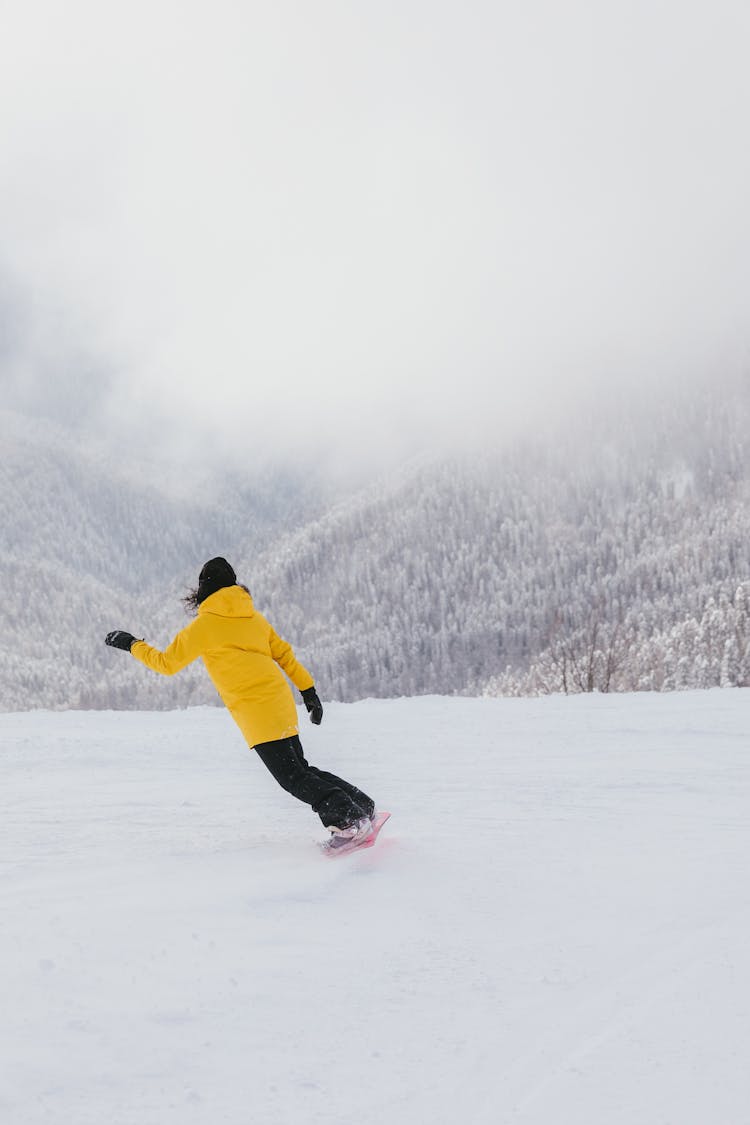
<point>344,230</point>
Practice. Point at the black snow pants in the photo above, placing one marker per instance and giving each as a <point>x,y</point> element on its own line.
<point>337,802</point>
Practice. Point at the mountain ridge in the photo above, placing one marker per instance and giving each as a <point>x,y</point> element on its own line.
<point>497,572</point>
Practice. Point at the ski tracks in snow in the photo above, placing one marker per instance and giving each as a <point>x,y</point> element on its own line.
<point>587,1051</point>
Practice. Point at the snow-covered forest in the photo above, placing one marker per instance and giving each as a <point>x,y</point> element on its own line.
<point>613,557</point>
<point>613,560</point>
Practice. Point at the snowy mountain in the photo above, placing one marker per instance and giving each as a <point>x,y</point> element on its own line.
<point>622,560</point>
<point>570,946</point>
<point>614,557</point>
<point>89,541</point>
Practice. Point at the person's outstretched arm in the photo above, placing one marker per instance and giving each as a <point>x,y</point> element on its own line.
<point>182,651</point>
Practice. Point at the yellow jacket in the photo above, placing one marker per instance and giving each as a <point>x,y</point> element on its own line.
<point>244,658</point>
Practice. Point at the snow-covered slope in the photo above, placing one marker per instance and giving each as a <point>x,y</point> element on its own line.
<point>615,558</point>
<point>87,540</point>
<point>552,928</point>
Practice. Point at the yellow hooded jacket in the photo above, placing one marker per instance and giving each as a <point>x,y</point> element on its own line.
<point>244,658</point>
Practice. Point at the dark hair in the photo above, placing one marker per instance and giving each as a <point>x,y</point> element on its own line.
<point>191,601</point>
<point>215,575</point>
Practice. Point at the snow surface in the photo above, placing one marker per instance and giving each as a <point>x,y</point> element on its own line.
<point>552,929</point>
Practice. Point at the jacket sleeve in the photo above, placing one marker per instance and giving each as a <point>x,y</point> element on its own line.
<point>185,648</point>
<point>285,658</point>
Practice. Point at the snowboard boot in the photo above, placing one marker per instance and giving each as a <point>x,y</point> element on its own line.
<point>350,836</point>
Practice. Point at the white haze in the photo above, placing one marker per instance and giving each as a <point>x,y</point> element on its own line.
<point>288,227</point>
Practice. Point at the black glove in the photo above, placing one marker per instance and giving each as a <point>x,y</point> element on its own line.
<point>313,705</point>
<point>119,639</point>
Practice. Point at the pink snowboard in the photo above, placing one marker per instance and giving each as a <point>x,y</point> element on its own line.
<point>368,841</point>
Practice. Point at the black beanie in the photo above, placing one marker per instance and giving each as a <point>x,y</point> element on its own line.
<point>215,575</point>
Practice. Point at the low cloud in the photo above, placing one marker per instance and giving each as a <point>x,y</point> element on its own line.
<point>363,230</point>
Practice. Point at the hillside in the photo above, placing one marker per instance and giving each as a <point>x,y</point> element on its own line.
<point>613,556</point>
<point>508,573</point>
<point>89,542</point>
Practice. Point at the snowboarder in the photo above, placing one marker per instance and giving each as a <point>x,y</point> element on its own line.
<point>246,660</point>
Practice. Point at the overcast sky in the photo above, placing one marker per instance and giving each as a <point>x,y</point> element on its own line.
<point>295,225</point>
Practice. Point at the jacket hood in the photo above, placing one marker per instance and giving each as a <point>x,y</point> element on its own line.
<point>230,601</point>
